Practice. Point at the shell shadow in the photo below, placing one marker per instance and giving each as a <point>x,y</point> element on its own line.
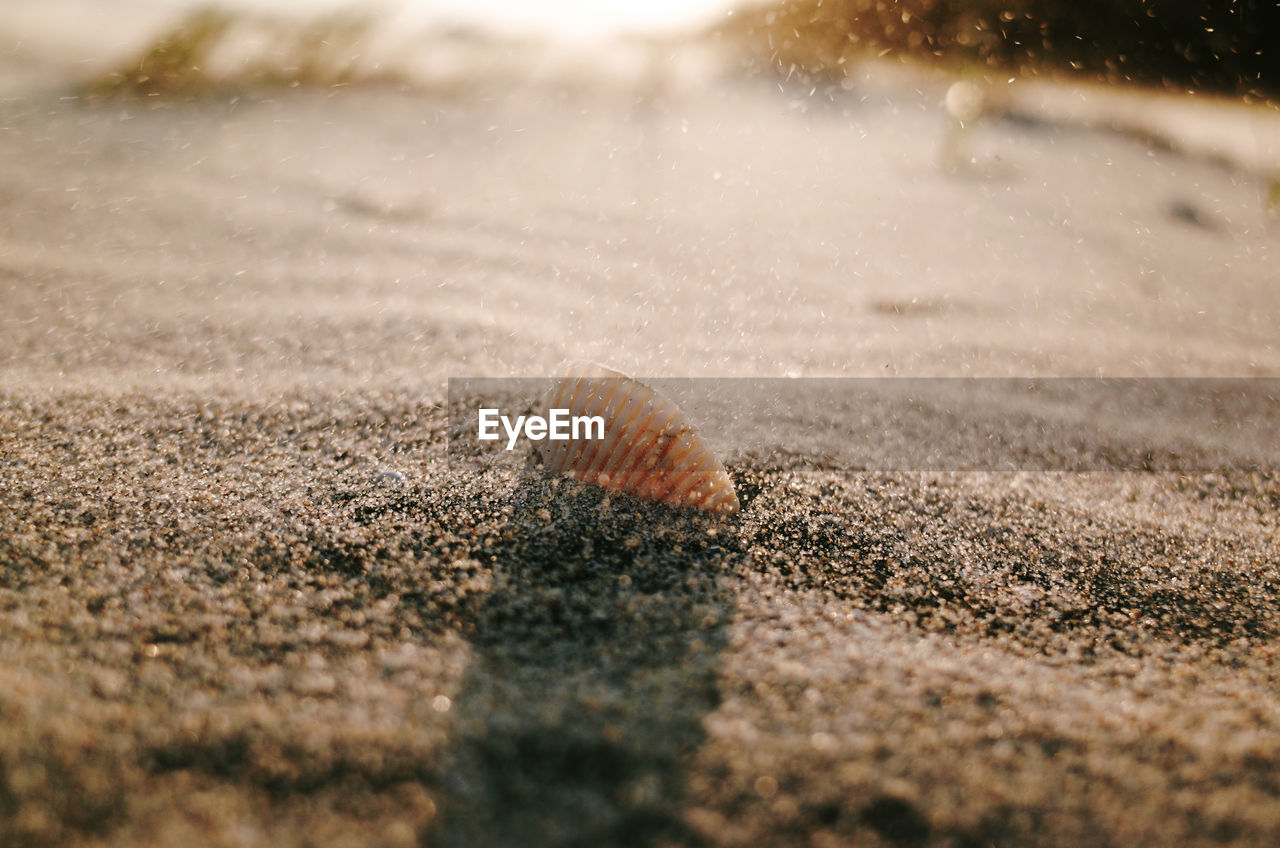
<point>595,659</point>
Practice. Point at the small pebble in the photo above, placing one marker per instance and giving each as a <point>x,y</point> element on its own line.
<point>389,478</point>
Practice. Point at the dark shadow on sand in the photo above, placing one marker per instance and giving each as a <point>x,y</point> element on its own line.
<point>594,662</point>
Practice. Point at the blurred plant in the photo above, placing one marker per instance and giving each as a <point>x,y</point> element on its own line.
<point>1226,45</point>
<point>212,48</point>
<point>174,61</point>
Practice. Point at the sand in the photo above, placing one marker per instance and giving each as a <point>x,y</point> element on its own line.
<point>246,597</point>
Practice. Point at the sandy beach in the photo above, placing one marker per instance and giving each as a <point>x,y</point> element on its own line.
<point>247,599</point>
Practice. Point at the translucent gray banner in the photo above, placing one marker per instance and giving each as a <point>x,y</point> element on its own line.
<point>928,424</point>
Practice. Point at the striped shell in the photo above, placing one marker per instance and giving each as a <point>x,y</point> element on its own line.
<point>649,448</point>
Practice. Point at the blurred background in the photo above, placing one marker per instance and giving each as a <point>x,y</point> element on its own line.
<point>1225,47</point>
<point>817,186</point>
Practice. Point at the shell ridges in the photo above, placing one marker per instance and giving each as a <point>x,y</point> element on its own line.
<point>649,448</point>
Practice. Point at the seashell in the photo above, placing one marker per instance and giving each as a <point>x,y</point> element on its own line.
<point>649,448</point>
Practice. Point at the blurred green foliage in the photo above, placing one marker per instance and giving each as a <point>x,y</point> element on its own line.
<point>1227,46</point>
<point>319,51</point>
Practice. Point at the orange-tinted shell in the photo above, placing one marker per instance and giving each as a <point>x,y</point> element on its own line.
<point>649,448</point>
